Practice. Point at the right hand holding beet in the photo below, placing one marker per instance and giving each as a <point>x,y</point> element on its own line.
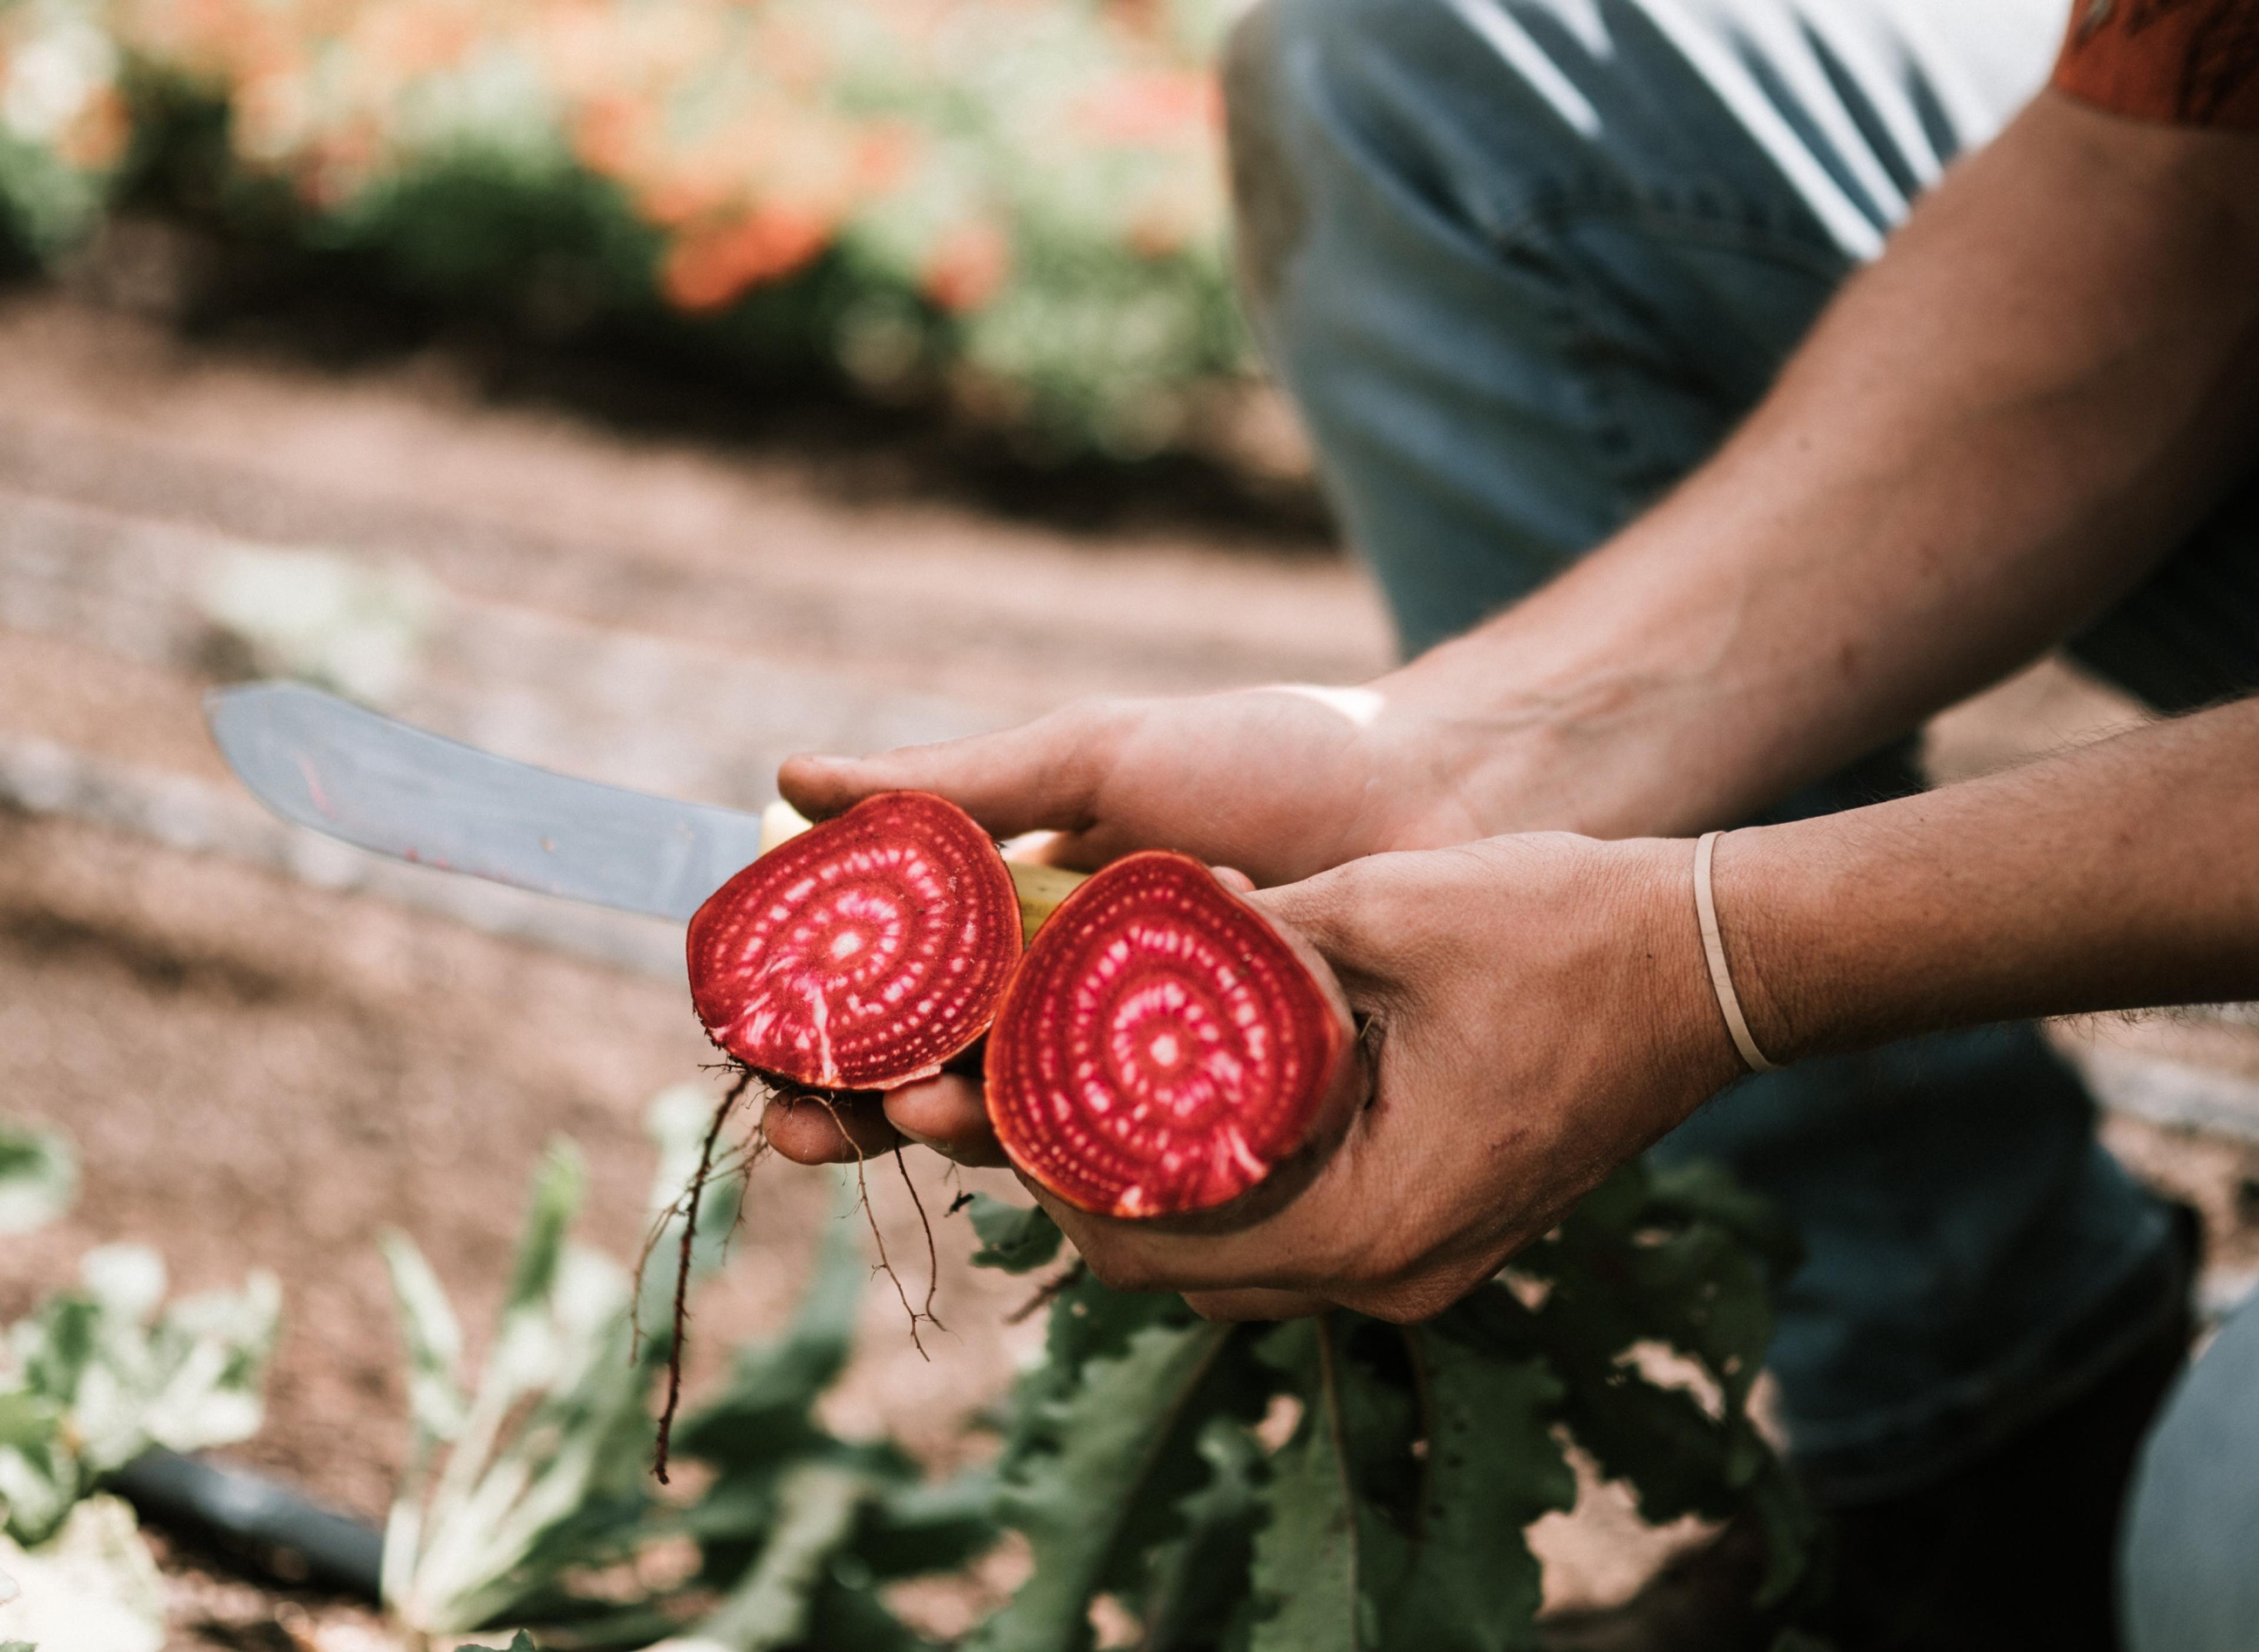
<point>1537,1012</point>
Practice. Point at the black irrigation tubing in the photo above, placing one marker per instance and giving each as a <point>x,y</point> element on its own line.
<point>270,1527</point>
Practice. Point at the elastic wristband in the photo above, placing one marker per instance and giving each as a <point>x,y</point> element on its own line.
<point>1714,948</point>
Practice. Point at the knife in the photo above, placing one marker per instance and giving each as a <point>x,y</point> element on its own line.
<point>352,773</point>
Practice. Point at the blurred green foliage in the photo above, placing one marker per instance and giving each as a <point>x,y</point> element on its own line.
<point>1014,209</point>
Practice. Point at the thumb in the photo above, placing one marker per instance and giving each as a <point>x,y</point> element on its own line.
<point>1322,912</point>
<point>1042,776</point>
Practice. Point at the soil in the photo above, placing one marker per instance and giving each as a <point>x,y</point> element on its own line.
<point>261,1072</point>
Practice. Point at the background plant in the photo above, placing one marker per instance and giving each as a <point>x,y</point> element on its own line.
<point>528,1500</point>
<point>89,1380</point>
<point>93,1377</point>
<point>1017,206</point>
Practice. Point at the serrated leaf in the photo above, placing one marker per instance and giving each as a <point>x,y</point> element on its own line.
<point>911,1529</point>
<point>1090,1320</point>
<point>38,1177</point>
<point>1680,1257</point>
<point>1492,1467</point>
<point>1200,1579</point>
<point>1703,1189</point>
<point>1014,1239</point>
<point>1077,1486</point>
<point>817,1509</point>
<point>1305,1560</point>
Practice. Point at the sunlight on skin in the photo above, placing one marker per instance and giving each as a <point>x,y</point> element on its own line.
<point>1359,708</point>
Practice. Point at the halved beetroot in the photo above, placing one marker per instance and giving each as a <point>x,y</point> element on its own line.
<point>1162,1050</point>
<point>864,952</point>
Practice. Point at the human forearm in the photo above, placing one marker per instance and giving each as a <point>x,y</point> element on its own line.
<point>2120,876</point>
<point>1994,432</point>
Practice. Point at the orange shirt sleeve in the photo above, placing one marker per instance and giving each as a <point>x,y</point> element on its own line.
<point>2192,63</point>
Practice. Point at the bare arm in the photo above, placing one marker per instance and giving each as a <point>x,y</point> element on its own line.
<point>2049,377</point>
<point>2124,875</point>
<point>1993,432</point>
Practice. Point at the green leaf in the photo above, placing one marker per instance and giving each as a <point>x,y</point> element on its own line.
<point>38,1177</point>
<point>434,1339</point>
<point>1704,1190</point>
<point>1199,1588</point>
<point>558,1188</point>
<point>1306,1565</point>
<point>1090,1320</point>
<point>848,1617</point>
<point>816,1509</point>
<point>1792,1529</point>
<point>925,1528</point>
<point>1492,1467</point>
<point>1012,1238</point>
<point>1680,1257</point>
<point>27,1419</point>
<point>1095,1460</point>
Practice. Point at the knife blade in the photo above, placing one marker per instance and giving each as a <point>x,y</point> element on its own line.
<point>352,773</point>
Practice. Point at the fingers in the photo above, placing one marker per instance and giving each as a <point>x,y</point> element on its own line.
<point>949,1115</point>
<point>1320,910</point>
<point>1298,1251</point>
<point>1040,776</point>
<point>1255,1305</point>
<point>816,1131</point>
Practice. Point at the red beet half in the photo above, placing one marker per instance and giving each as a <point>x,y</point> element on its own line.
<point>864,952</point>
<point>1162,1050</point>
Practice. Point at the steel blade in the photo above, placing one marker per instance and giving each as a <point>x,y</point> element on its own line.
<point>402,791</point>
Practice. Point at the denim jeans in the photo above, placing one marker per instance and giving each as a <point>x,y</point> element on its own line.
<point>1523,263</point>
<point>2190,1576</point>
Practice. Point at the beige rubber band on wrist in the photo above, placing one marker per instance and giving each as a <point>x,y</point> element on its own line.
<point>1714,948</point>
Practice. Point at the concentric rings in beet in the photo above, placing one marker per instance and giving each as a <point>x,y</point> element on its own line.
<point>865,952</point>
<point>1160,1048</point>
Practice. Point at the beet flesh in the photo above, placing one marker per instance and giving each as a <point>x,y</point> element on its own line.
<point>1161,1048</point>
<point>863,953</point>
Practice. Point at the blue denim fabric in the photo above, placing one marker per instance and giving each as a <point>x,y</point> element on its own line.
<point>1523,263</point>
<point>2192,1560</point>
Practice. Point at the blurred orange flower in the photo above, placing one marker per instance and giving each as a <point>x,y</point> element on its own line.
<point>706,269</point>
<point>1163,107</point>
<point>967,267</point>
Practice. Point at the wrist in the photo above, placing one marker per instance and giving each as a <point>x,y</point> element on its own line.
<point>1529,737</point>
<point>1650,910</point>
<point>1782,910</point>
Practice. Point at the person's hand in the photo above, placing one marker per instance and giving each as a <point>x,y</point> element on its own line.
<point>1281,782</point>
<point>1538,1011</point>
